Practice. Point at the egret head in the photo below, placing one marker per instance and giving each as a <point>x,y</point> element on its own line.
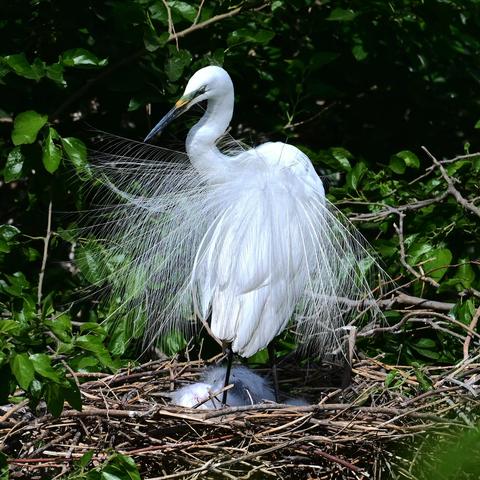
<point>207,83</point>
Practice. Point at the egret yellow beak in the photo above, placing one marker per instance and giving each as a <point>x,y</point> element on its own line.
<point>181,106</point>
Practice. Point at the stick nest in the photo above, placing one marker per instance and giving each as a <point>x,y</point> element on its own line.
<point>353,432</point>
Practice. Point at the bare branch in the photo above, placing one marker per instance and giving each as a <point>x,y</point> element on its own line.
<point>451,187</point>
<point>472,326</point>
<point>46,242</point>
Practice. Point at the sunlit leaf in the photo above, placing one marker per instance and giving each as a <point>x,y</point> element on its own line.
<point>14,165</point>
<point>82,58</point>
<point>23,369</point>
<point>52,155</point>
<point>26,127</point>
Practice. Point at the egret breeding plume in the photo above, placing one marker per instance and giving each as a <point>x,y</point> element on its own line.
<point>241,238</point>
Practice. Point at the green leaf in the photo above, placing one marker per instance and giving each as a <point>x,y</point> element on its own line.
<point>477,125</point>
<point>42,365</point>
<point>465,274</point>
<point>55,72</point>
<point>410,159</point>
<point>390,378</point>
<point>77,153</point>
<point>249,35</point>
<point>342,156</point>
<point>82,58</point>
<point>85,459</point>
<point>13,167</point>
<point>7,237</point>
<point>95,345</point>
<point>52,155</point>
<point>355,175</point>
<point>185,10</point>
<point>431,354</point>
<point>341,15</point>
<point>9,326</point>
<point>7,385</point>
<point>397,165</point>
<point>261,357</point>
<point>19,64</point>
<point>425,343</point>
<point>23,369</point>
<point>16,286</point>
<point>61,327</point>
<point>54,398</point>
<point>359,52</point>
<point>26,127</point>
<point>438,262</point>
<point>176,64</point>
<point>120,467</point>
<point>91,262</point>
<point>73,396</point>
<point>3,467</point>
<point>174,342</point>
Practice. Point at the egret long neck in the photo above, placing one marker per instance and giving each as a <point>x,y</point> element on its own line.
<point>201,139</point>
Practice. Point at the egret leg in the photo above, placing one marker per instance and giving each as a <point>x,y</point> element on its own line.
<point>273,366</point>
<point>227,374</point>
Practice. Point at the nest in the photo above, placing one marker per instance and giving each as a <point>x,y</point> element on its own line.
<point>353,432</point>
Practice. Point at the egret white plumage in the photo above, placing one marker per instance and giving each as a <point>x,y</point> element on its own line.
<point>241,237</point>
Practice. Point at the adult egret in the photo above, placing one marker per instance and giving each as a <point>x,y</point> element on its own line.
<point>241,237</point>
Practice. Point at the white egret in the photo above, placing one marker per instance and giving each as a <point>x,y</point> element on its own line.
<point>244,238</point>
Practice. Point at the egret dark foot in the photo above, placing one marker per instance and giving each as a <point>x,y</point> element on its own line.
<point>227,375</point>
<point>273,366</point>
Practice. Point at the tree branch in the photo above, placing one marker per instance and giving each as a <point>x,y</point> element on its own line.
<point>451,187</point>
<point>46,242</point>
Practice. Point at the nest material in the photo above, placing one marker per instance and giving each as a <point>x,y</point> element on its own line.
<point>347,433</point>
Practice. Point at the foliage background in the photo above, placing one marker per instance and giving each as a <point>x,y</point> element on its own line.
<point>359,85</point>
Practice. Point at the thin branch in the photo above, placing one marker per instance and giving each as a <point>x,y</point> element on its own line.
<point>403,259</point>
<point>396,210</point>
<point>46,242</point>
<point>171,26</point>
<point>198,26</point>
<point>472,326</point>
<point>451,187</point>
<point>197,17</point>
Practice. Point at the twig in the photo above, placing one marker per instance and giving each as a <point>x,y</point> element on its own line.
<point>197,17</point>
<point>472,326</point>
<point>171,26</point>
<point>451,188</point>
<point>403,260</point>
<point>46,242</point>
<point>361,217</point>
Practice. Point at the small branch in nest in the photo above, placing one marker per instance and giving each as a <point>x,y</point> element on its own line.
<point>472,326</point>
<point>451,187</point>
